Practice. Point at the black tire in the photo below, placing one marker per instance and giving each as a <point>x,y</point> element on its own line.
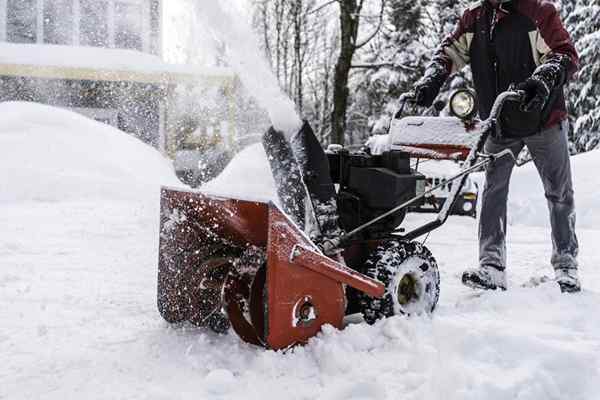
<point>411,277</point>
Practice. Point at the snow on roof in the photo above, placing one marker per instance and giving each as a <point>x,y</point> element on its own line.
<point>95,63</point>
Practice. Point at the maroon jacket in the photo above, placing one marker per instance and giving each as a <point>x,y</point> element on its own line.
<point>506,45</point>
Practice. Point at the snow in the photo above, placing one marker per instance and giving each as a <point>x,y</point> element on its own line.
<point>433,130</point>
<point>378,144</point>
<point>247,60</point>
<point>50,154</point>
<point>247,177</point>
<point>439,168</point>
<point>95,58</point>
<point>527,202</point>
<point>78,311</point>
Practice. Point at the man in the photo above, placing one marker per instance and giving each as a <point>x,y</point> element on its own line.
<point>519,42</point>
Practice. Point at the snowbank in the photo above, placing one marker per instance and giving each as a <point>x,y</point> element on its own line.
<point>50,154</point>
<point>527,204</point>
<point>248,176</point>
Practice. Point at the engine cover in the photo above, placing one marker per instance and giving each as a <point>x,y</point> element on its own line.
<point>371,185</point>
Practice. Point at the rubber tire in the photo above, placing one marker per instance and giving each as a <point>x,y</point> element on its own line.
<point>388,263</point>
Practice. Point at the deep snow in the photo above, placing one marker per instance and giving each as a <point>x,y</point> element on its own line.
<point>78,280</point>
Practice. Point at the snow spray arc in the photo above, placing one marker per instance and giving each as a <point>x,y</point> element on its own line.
<point>230,26</point>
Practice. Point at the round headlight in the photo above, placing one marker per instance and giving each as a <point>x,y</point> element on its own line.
<point>467,206</point>
<point>462,104</point>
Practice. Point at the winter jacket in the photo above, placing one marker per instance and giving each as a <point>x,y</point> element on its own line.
<point>506,45</point>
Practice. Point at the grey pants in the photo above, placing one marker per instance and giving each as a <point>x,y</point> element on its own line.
<point>549,150</point>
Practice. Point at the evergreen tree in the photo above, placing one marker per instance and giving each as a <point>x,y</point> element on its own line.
<point>583,22</point>
<point>388,68</point>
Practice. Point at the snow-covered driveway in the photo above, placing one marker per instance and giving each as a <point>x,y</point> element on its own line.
<point>78,263</point>
<point>78,317</point>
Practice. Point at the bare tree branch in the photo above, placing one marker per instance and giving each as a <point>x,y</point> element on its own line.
<point>379,25</point>
<point>322,6</point>
<point>383,65</point>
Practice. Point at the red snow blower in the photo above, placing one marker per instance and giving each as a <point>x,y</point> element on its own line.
<point>332,246</point>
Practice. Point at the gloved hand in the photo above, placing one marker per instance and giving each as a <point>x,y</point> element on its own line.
<point>425,93</point>
<point>537,93</point>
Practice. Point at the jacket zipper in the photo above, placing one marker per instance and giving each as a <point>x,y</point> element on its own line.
<point>493,23</point>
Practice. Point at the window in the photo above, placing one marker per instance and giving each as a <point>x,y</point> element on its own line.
<point>123,24</point>
<point>155,40</point>
<point>128,26</point>
<point>94,23</point>
<point>58,22</point>
<point>21,17</point>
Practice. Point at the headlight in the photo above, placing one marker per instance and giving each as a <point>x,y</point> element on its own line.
<point>462,104</point>
<point>467,207</point>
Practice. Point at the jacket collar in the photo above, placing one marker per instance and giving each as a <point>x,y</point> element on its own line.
<point>504,8</point>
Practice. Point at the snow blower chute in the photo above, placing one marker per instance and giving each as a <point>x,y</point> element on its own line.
<point>277,273</point>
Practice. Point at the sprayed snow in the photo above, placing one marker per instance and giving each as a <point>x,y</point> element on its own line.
<point>246,58</point>
<point>248,177</point>
<point>378,144</point>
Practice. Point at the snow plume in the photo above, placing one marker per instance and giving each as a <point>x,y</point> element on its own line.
<point>231,27</point>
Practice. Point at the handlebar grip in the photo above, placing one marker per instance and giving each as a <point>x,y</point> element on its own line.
<point>408,97</point>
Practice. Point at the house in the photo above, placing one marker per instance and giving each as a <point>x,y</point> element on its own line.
<point>101,58</point>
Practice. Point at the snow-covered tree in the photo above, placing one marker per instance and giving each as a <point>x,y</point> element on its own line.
<point>388,67</point>
<point>583,21</point>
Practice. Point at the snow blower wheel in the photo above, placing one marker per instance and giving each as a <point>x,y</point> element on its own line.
<point>411,278</point>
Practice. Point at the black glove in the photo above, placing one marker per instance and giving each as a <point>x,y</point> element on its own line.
<point>425,93</point>
<point>537,94</point>
<point>551,74</point>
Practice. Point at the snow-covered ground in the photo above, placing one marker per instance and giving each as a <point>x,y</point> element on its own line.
<point>78,254</point>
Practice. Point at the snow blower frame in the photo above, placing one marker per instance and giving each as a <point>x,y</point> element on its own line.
<point>278,273</point>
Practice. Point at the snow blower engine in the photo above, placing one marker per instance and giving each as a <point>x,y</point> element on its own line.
<point>331,246</point>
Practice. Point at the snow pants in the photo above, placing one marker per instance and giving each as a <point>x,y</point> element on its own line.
<point>550,153</point>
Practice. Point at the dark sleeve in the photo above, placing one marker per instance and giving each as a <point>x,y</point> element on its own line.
<point>453,53</point>
<point>553,43</point>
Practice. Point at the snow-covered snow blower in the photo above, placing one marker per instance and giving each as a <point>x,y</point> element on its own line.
<point>332,246</point>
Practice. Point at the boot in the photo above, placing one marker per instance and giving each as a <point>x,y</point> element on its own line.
<point>486,277</point>
<point>568,280</point>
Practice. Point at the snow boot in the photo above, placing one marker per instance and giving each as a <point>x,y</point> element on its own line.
<point>568,280</point>
<point>486,277</point>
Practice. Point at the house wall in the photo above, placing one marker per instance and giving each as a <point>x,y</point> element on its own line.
<point>132,107</point>
<point>136,108</point>
<point>125,24</point>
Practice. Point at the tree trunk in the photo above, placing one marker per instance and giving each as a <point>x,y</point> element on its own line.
<point>298,53</point>
<point>349,21</point>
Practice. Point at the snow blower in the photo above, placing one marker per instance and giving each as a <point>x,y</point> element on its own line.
<point>332,246</point>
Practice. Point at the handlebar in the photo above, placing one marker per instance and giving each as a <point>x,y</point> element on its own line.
<point>408,97</point>
<point>509,95</point>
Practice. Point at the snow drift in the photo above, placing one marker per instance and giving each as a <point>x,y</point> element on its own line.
<point>527,204</point>
<point>51,154</point>
<point>248,176</point>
